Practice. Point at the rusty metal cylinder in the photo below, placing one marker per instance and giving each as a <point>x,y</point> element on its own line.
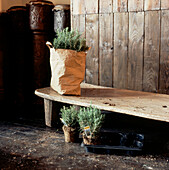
<point>41,25</point>
<point>61,17</point>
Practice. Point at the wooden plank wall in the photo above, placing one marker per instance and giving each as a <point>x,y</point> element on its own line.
<point>129,40</point>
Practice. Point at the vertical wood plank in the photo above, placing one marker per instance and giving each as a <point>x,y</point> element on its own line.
<point>120,5</point>
<point>105,51</point>
<point>164,60</point>
<point>92,63</point>
<point>151,51</point>
<point>135,5</point>
<point>105,6</point>
<point>78,7</point>
<point>151,5</point>
<point>164,4</point>
<point>120,49</point>
<point>135,63</point>
<point>78,23</point>
<point>92,6</point>
<point>48,112</point>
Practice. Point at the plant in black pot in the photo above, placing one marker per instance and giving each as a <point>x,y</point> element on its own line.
<point>90,120</point>
<point>70,120</point>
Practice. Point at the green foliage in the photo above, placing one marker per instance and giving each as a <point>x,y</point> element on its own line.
<point>91,117</point>
<point>69,115</point>
<point>69,40</point>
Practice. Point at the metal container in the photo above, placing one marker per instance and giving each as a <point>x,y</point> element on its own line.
<point>61,17</point>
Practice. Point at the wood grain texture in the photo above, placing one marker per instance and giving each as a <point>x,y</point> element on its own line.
<point>164,4</point>
<point>135,103</point>
<point>151,5</point>
<point>105,51</point>
<point>135,62</point>
<point>92,6</point>
<point>135,5</point>
<point>120,5</point>
<point>151,51</point>
<point>120,50</point>
<point>164,60</point>
<point>78,7</point>
<point>48,112</point>
<point>92,58</point>
<point>79,23</point>
<point>105,6</point>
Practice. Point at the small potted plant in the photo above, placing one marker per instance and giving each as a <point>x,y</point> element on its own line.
<point>90,120</point>
<point>69,119</point>
<point>67,61</point>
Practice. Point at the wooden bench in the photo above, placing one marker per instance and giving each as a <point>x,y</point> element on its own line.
<point>135,103</point>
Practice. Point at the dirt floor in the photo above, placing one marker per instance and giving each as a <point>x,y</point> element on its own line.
<point>28,144</point>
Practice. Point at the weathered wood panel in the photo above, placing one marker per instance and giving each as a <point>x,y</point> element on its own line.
<point>78,7</point>
<point>142,104</point>
<point>119,5</point>
<point>120,49</point>
<point>105,51</point>
<point>92,59</point>
<point>164,60</point>
<point>151,5</point>
<point>105,6</point>
<point>78,23</point>
<point>135,5</point>
<point>135,62</point>
<point>164,4</point>
<point>92,6</point>
<point>151,51</point>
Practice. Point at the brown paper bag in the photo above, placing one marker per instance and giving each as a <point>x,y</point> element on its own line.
<point>67,70</point>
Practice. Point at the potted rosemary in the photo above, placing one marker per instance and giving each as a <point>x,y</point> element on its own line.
<point>69,119</point>
<point>90,120</point>
<point>67,61</point>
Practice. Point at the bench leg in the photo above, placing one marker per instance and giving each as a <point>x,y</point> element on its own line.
<point>48,112</point>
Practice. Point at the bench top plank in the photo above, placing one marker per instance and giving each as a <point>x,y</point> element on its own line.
<point>142,104</point>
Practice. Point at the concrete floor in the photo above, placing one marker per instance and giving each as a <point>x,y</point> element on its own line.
<point>25,143</point>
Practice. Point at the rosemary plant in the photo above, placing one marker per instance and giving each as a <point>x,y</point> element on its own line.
<point>69,116</point>
<point>91,117</point>
<point>72,40</point>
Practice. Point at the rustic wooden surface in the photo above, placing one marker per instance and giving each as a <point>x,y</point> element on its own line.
<point>120,5</point>
<point>135,55</point>
<point>92,59</point>
<point>78,7</point>
<point>140,39</point>
<point>78,23</point>
<point>91,6</point>
<point>135,103</point>
<point>164,60</point>
<point>105,6</point>
<point>135,5</point>
<point>164,4</point>
<point>151,5</point>
<point>151,51</point>
<point>105,51</point>
<point>120,49</point>
<point>48,112</point>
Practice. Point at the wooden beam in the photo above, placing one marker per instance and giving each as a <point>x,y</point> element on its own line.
<point>105,51</point>
<point>120,50</point>
<point>164,60</point>
<point>135,62</point>
<point>92,58</point>
<point>151,51</point>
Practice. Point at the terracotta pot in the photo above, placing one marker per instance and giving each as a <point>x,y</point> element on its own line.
<point>70,133</point>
